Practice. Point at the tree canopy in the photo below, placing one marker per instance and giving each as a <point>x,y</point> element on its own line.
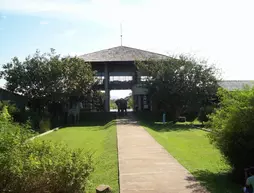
<point>179,83</point>
<point>48,75</point>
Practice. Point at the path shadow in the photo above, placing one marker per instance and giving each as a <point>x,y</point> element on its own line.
<point>213,182</point>
<point>195,186</point>
<point>167,127</point>
<point>130,118</point>
<point>94,125</point>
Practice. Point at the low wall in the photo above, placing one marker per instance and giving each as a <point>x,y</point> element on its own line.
<point>97,116</point>
<point>148,116</point>
<point>157,116</point>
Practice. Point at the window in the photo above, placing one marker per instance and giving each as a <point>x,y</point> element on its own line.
<point>99,79</point>
<point>120,78</point>
<point>145,78</point>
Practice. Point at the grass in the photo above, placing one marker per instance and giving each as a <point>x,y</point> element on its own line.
<point>102,141</point>
<point>191,147</point>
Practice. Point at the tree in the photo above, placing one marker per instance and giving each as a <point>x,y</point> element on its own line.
<point>113,104</point>
<point>232,128</point>
<point>204,113</point>
<point>130,101</point>
<point>48,76</point>
<point>78,77</point>
<point>179,83</point>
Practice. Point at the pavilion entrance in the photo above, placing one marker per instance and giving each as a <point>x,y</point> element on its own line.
<point>121,94</point>
<point>116,70</point>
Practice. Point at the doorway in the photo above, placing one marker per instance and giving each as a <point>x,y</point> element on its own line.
<point>121,94</point>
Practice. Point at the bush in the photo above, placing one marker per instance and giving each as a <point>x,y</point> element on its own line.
<point>4,115</point>
<point>37,166</point>
<point>45,125</point>
<point>11,107</point>
<point>39,123</point>
<point>204,113</point>
<point>233,129</point>
<point>190,115</point>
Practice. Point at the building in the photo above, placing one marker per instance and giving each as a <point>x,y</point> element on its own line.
<point>116,70</point>
<point>19,100</point>
<point>236,84</point>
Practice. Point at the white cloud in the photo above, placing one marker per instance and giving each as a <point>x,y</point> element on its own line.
<point>44,23</point>
<point>95,10</point>
<point>218,30</point>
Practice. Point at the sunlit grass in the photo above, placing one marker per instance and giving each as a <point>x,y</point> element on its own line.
<point>191,147</point>
<point>101,140</point>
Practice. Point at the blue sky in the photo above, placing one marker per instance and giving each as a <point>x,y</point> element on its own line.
<point>22,34</point>
<point>220,31</point>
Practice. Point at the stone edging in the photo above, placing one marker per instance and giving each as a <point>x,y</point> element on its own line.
<point>208,130</point>
<point>45,133</point>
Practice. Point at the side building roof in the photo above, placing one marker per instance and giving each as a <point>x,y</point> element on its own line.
<point>236,84</point>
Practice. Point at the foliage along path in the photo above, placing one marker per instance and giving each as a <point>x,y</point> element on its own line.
<point>145,166</point>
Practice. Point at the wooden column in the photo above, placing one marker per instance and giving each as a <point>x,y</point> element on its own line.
<point>106,87</point>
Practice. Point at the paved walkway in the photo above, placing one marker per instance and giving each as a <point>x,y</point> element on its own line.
<point>146,167</point>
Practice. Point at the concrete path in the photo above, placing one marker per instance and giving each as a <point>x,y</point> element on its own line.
<point>146,167</point>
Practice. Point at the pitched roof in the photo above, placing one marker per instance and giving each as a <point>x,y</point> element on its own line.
<point>236,84</point>
<point>121,53</point>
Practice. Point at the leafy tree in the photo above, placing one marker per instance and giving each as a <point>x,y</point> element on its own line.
<point>179,84</point>
<point>48,76</point>
<point>232,128</point>
<point>113,104</point>
<point>100,98</point>
<point>130,101</point>
<point>78,77</point>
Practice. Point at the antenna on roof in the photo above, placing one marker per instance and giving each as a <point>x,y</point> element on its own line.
<point>121,34</point>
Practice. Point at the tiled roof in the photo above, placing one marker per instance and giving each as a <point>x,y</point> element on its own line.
<point>236,84</point>
<point>121,53</point>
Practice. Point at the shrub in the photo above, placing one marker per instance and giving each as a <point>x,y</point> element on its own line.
<point>45,125</point>
<point>204,113</point>
<point>4,115</point>
<point>11,107</point>
<point>181,119</point>
<point>190,115</point>
<point>233,129</point>
<point>37,166</point>
<point>35,119</point>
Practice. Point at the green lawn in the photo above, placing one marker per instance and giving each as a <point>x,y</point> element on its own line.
<point>102,141</point>
<point>191,147</point>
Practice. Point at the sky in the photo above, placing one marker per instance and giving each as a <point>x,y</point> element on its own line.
<point>220,31</point>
